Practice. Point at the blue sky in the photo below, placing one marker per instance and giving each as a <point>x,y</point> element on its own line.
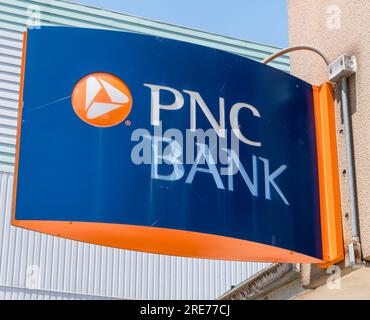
<point>263,21</point>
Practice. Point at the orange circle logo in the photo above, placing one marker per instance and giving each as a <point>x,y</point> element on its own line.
<point>101,99</point>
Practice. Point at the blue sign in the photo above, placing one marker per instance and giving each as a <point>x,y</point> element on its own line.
<point>128,129</point>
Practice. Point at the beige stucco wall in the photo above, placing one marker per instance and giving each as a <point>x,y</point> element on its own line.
<point>340,27</point>
<point>353,286</point>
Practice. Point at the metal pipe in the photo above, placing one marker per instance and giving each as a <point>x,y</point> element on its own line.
<point>296,48</point>
<point>350,159</point>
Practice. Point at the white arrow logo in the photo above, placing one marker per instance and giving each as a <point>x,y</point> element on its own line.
<point>96,109</point>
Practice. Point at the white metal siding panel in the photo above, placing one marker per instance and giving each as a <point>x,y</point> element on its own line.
<point>10,61</point>
<point>15,14</point>
<point>13,293</point>
<point>38,266</point>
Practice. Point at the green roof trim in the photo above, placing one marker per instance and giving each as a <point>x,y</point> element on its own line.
<point>14,13</point>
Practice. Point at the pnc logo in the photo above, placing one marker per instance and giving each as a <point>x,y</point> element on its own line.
<point>101,100</point>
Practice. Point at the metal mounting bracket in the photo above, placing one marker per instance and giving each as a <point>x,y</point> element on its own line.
<point>344,66</point>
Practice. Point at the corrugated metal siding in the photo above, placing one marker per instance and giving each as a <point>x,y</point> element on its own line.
<point>65,269</point>
<point>13,293</point>
<point>35,261</point>
<point>15,14</point>
<point>10,62</point>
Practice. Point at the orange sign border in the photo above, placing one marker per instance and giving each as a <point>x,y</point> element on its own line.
<point>330,206</point>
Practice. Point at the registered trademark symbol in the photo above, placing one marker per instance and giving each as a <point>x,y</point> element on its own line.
<point>128,123</point>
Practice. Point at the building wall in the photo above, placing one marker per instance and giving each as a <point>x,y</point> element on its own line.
<point>353,286</point>
<point>340,27</point>
<point>14,293</point>
<point>38,266</point>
